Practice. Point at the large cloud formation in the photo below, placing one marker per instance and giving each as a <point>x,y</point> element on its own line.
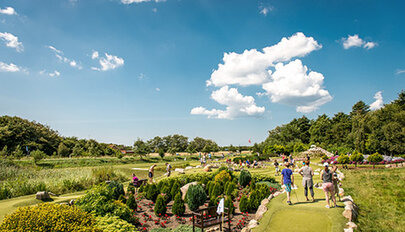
<point>236,103</point>
<point>286,83</point>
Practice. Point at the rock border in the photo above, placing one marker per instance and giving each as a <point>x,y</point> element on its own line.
<point>260,212</point>
<point>351,209</point>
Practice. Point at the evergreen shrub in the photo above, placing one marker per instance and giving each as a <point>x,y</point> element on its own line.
<point>195,196</point>
<point>160,206</point>
<point>178,207</point>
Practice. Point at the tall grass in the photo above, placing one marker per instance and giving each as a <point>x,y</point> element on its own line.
<point>380,195</point>
<point>18,181</point>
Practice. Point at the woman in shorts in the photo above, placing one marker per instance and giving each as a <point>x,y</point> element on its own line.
<point>327,186</point>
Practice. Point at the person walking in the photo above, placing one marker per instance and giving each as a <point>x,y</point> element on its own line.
<point>335,181</point>
<point>276,167</point>
<point>151,173</point>
<point>287,179</point>
<point>327,186</point>
<point>168,169</point>
<point>307,173</point>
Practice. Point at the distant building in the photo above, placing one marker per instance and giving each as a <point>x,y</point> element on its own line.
<point>123,151</point>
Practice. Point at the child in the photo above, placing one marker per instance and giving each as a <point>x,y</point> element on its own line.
<point>287,179</point>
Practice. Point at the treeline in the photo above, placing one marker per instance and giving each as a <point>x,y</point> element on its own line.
<point>173,144</point>
<point>361,130</point>
<point>20,137</point>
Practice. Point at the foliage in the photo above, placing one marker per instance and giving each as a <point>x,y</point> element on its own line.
<point>356,157</point>
<point>343,159</point>
<point>152,192</point>
<point>261,192</point>
<point>49,217</point>
<point>175,188</point>
<point>195,196</point>
<point>38,155</point>
<point>263,177</point>
<point>216,190</point>
<point>244,178</point>
<point>324,157</point>
<point>178,207</point>
<point>244,205</point>
<point>118,189</point>
<point>362,130</point>
<point>100,201</point>
<point>375,158</point>
<point>141,148</point>
<point>131,203</point>
<point>160,206</point>
<point>131,188</point>
<point>229,204</point>
<point>229,189</point>
<point>104,174</point>
<point>113,224</point>
<point>123,199</point>
<point>223,177</point>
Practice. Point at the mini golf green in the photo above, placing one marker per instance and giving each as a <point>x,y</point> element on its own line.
<point>302,215</point>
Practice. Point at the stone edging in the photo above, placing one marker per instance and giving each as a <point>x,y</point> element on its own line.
<point>351,209</point>
<point>260,212</point>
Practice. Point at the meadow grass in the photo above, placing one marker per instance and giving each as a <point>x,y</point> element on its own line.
<point>380,195</point>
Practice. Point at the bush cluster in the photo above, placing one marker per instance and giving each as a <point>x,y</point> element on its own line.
<point>49,217</point>
<point>100,201</point>
<point>114,224</point>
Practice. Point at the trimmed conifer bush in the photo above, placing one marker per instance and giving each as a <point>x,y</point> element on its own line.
<point>244,178</point>
<point>229,204</point>
<point>229,189</point>
<point>244,205</point>
<point>166,190</point>
<point>160,206</point>
<point>195,196</point>
<point>178,207</point>
<point>118,189</point>
<point>216,190</point>
<point>131,203</point>
<point>152,192</point>
<point>175,189</point>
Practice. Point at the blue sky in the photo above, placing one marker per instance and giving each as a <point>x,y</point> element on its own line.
<point>227,70</point>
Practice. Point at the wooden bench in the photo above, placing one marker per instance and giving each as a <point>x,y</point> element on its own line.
<point>207,217</point>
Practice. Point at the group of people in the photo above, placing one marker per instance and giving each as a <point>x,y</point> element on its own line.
<point>328,176</point>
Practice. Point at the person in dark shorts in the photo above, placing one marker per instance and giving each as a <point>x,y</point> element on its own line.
<point>151,173</point>
<point>287,179</point>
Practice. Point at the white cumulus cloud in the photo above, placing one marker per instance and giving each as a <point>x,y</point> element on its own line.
<point>8,11</point>
<point>108,62</point>
<point>356,41</point>
<point>378,103</point>
<point>94,55</point>
<point>251,67</point>
<point>236,104</point>
<point>62,58</point>
<point>291,84</point>
<point>4,67</point>
<point>264,10</point>
<point>283,81</point>
<point>12,41</point>
<point>54,74</point>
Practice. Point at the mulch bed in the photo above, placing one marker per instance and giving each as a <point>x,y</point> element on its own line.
<point>148,220</point>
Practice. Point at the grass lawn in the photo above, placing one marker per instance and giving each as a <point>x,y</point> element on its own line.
<point>380,195</point>
<point>302,215</point>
